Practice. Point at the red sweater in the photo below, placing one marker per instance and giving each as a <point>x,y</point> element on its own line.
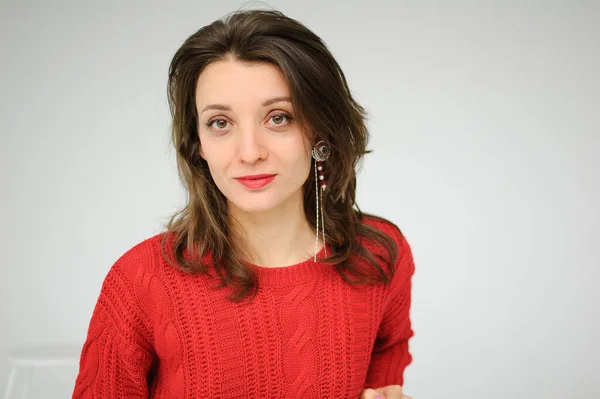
<point>157,332</point>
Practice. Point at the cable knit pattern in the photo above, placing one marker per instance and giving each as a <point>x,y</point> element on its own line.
<point>298,322</point>
<point>157,332</point>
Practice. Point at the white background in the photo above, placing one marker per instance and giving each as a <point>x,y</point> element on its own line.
<point>486,139</point>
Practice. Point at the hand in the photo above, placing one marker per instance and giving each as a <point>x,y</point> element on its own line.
<point>389,392</point>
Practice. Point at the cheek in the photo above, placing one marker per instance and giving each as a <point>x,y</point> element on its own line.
<point>306,161</point>
<point>214,156</point>
<point>302,165</point>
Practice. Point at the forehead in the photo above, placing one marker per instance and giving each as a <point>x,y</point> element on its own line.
<point>232,80</point>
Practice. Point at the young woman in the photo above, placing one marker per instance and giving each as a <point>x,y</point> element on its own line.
<point>270,282</point>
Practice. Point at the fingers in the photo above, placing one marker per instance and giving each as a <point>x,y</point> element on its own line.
<point>369,394</point>
<point>392,392</point>
<point>376,394</point>
<point>389,392</point>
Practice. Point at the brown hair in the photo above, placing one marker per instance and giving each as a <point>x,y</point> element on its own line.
<point>321,98</point>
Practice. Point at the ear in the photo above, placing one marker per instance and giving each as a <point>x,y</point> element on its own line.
<point>201,151</point>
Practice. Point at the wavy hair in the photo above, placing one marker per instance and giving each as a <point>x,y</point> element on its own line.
<point>321,98</point>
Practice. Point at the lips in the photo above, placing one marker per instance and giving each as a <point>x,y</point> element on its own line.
<point>255,182</point>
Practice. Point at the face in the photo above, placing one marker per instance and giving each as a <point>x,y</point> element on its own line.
<point>256,152</point>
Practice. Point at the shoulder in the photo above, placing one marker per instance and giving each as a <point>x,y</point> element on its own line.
<point>404,259</point>
<point>131,273</point>
<point>131,283</point>
<point>387,227</point>
<point>141,257</point>
<point>382,224</point>
<point>125,300</point>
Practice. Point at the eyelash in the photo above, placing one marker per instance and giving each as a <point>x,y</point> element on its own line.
<point>289,117</point>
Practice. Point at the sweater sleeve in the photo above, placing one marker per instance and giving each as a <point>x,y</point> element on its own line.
<point>391,354</point>
<point>117,354</point>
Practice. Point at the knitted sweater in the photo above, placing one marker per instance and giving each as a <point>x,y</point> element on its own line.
<point>157,332</point>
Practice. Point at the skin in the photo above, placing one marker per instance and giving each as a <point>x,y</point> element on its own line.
<point>257,134</point>
<point>252,138</point>
<point>387,392</point>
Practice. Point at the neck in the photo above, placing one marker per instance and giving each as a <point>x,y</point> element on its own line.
<point>278,237</point>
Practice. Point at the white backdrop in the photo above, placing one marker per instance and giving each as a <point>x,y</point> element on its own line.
<point>486,138</point>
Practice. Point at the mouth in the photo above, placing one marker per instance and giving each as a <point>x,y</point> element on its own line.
<point>255,182</point>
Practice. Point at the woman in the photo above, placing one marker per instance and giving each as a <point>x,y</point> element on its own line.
<point>269,283</point>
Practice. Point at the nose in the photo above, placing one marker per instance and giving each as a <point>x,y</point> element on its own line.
<point>251,146</point>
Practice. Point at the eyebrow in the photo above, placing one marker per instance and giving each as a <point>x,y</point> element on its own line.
<point>266,103</point>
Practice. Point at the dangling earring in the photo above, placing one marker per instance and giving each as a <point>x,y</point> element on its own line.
<point>320,153</point>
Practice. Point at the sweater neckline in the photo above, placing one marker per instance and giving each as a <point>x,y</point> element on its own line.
<point>305,271</point>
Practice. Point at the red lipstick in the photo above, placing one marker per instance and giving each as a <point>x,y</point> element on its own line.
<point>255,182</point>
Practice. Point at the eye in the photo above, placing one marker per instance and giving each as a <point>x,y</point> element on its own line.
<point>280,118</point>
<point>220,123</point>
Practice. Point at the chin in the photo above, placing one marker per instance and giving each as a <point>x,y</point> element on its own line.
<point>255,205</point>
